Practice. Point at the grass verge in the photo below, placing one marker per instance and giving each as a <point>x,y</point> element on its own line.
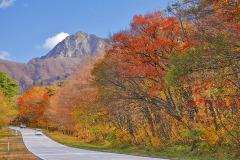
<point>76,142</point>
<point>17,149</point>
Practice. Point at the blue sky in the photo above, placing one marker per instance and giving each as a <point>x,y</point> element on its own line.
<point>30,28</point>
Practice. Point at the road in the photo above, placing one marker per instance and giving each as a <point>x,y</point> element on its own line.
<point>47,149</point>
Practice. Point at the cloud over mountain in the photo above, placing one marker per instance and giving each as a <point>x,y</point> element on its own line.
<point>53,41</point>
<point>4,55</point>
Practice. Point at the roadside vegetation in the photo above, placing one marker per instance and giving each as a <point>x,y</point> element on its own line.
<point>176,152</point>
<point>169,85</point>
<point>17,149</point>
<point>8,92</point>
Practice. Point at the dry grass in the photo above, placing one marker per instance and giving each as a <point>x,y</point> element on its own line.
<point>17,147</point>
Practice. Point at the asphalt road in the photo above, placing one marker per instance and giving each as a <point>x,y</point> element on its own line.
<point>47,149</point>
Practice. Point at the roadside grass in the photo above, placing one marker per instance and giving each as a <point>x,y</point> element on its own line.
<point>134,150</point>
<point>17,149</point>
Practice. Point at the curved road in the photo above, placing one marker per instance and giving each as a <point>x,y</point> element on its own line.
<point>47,149</point>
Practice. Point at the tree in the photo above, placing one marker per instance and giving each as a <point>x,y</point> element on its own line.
<point>7,86</point>
<point>131,77</point>
<point>209,71</point>
<point>230,9</point>
<point>7,111</point>
<point>69,95</point>
<point>30,106</point>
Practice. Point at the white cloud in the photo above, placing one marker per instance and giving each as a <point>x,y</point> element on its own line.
<point>4,54</point>
<point>53,41</point>
<point>6,3</point>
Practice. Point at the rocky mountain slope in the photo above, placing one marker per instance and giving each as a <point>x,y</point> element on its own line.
<point>78,45</point>
<point>74,51</point>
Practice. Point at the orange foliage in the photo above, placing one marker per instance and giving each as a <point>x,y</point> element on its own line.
<point>143,50</point>
<point>29,105</point>
<point>229,8</point>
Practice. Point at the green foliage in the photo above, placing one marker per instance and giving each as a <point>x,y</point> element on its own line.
<point>66,75</point>
<point>178,149</point>
<point>175,4</point>
<point>7,86</point>
<point>181,65</point>
<point>193,133</point>
<point>112,136</point>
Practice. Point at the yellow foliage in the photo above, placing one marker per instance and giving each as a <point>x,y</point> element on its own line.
<point>7,113</point>
<point>156,142</point>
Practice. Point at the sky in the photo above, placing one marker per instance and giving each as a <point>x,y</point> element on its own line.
<point>31,28</point>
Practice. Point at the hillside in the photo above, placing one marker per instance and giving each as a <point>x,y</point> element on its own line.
<point>59,63</point>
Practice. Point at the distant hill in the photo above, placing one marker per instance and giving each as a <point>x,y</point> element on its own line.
<point>74,51</point>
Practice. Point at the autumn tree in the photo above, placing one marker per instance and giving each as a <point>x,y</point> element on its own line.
<point>167,66</point>
<point>29,106</point>
<point>229,8</point>
<point>7,111</point>
<point>211,66</point>
<point>67,96</point>
<point>8,89</point>
<point>131,76</point>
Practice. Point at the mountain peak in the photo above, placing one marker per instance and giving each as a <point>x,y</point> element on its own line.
<point>77,45</point>
<point>73,52</point>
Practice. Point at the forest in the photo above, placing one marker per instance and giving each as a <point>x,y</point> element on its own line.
<point>171,79</point>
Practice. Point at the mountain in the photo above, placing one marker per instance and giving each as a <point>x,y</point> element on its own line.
<point>74,51</point>
<point>78,45</point>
